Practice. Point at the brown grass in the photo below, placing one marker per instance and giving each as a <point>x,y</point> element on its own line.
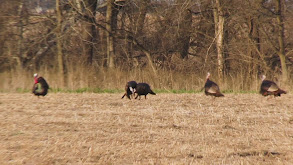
<point>102,78</point>
<point>164,129</point>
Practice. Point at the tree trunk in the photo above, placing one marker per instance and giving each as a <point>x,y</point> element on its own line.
<point>110,38</point>
<point>142,14</point>
<point>59,44</point>
<point>147,53</point>
<point>219,35</point>
<point>253,51</point>
<point>89,29</point>
<point>128,44</point>
<point>20,40</point>
<point>186,35</point>
<point>281,51</point>
<point>137,28</point>
<point>184,30</point>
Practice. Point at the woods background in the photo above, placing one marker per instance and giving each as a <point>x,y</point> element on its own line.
<point>171,44</point>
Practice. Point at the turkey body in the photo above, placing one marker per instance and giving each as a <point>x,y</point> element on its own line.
<point>129,89</point>
<point>143,89</point>
<point>268,87</point>
<point>211,88</point>
<point>41,87</point>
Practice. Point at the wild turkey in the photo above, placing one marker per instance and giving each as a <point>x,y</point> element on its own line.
<point>211,88</point>
<point>268,87</point>
<point>129,89</point>
<point>40,87</point>
<point>143,89</point>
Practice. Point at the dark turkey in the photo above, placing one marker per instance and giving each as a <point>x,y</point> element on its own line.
<point>143,89</point>
<point>40,87</point>
<point>268,87</point>
<point>211,88</point>
<point>129,89</point>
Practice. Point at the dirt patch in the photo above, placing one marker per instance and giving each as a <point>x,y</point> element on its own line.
<point>164,129</point>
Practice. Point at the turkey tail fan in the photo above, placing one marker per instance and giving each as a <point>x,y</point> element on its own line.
<point>282,91</point>
<point>219,95</point>
<point>151,92</point>
<point>279,92</point>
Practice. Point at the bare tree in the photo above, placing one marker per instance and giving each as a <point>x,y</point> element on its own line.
<point>86,13</point>
<point>20,34</point>
<point>143,8</point>
<point>281,50</point>
<point>59,43</point>
<point>110,37</point>
<point>253,36</point>
<point>219,21</point>
<point>185,22</point>
<point>88,9</point>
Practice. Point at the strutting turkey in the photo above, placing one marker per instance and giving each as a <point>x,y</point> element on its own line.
<point>268,87</point>
<point>129,89</point>
<point>143,89</point>
<point>211,88</point>
<point>40,87</point>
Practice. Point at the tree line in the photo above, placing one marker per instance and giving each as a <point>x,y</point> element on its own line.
<point>228,38</point>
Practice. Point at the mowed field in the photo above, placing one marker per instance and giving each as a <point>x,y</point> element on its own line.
<point>87,128</point>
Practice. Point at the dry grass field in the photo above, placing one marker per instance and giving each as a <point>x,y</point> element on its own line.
<point>91,128</point>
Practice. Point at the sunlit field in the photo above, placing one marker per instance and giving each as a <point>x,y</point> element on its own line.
<point>86,128</point>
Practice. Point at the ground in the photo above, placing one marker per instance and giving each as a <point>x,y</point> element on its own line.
<point>87,128</point>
